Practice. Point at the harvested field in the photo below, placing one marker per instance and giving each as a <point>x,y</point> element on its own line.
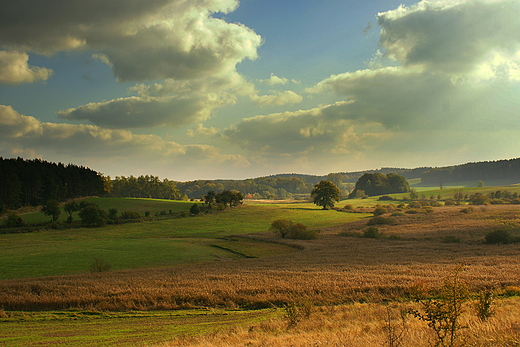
<point>331,270</point>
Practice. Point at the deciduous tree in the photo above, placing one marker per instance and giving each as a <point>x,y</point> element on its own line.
<point>325,194</point>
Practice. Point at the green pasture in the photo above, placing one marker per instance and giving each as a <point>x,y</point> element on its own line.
<point>156,243</point>
<point>70,328</point>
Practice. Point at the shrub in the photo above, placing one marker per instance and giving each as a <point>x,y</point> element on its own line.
<point>499,236</point>
<point>302,233</point>
<point>379,220</point>
<point>194,209</point>
<point>130,215</point>
<point>13,221</point>
<point>414,204</point>
<point>112,213</point>
<point>348,207</point>
<point>372,233</point>
<point>449,203</point>
<point>398,214</point>
<point>99,265</point>
<point>478,199</point>
<point>451,239</point>
<point>467,210</point>
<point>412,211</point>
<point>290,230</point>
<point>93,216</point>
<point>385,198</point>
<point>427,209</point>
<point>484,305</point>
<point>442,315</point>
<point>379,211</point>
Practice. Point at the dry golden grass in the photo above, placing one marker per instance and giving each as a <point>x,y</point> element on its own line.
<point>331,270</point>
<point>366,325</point>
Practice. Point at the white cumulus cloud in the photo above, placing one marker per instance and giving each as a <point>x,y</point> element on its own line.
<point>14,69</point>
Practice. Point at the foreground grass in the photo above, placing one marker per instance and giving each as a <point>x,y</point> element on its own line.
<point>359,324</point>
<point>153,243</point>
<point>83,328</point>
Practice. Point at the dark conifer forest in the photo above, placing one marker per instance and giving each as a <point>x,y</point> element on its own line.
<point>34,182</point>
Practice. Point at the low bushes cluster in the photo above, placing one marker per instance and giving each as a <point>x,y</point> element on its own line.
<point>380,220</point>
<point>289,230</point>
<point>501,236</point>
<point>372,233</point>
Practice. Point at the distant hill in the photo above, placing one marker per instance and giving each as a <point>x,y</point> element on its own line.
<point>500,172</point>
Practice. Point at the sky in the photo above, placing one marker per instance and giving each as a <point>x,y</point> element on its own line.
<point>208,89</point>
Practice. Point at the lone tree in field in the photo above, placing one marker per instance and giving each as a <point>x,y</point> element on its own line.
<point>325,194</point>
<point>52,209</point>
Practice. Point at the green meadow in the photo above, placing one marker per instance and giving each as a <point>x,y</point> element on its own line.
<point>153,243</point>
<point>76,328</point>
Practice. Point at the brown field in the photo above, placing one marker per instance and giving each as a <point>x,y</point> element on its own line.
<point>334,269</point>
<point>361,325</point>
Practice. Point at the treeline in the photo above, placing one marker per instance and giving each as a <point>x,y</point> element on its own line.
<point>487,170</point>
<point>33,182</point>
<point>284,186</point>
<point>143,187</point>
<point>256,188</point>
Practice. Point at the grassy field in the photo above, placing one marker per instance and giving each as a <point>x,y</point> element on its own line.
<point>226,264</point>
<point>153,243</point>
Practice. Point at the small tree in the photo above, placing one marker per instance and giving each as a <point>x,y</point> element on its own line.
<point>71,207</point>
<point>281,227</point>
<point>194,209</point>
<point>325,194</point>
<point>209,198</point>
<point>443,315</point>
<point>52,209</point>
<point>93,216</point>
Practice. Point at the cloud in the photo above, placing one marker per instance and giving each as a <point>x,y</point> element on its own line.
<point>453,80</point>
<point>140,39</point>
<point>451,36</point>
<point>142,112</point>
<point>200,130</point>
<point>274,80</point>
<point>179,44</point>
<point>316,130</point>
<point>108,147</point>
<point>14,69</point>
<point>278,98</point>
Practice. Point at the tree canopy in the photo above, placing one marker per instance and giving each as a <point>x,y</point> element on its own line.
<point>379,184</point>
<point>325,194</point>
<point>33,182</point>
